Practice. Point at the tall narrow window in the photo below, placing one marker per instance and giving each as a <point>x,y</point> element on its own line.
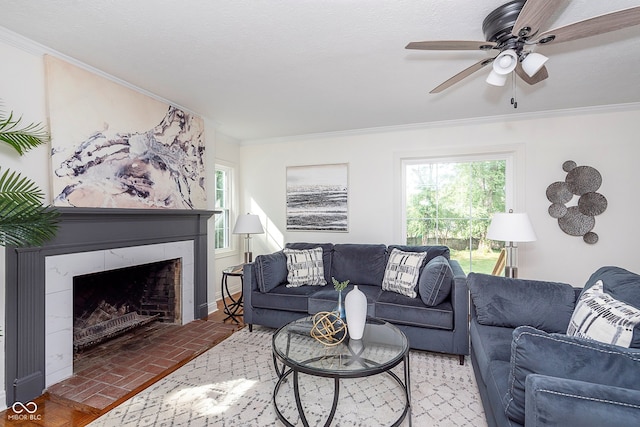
<point>451,202</point>
<point>223,200</point>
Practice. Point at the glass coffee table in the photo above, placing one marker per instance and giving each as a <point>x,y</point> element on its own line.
<point>382,347</point>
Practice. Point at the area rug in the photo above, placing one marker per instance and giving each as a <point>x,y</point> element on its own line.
<point>232,385</point>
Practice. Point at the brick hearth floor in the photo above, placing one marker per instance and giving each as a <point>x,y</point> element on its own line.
<point>104,377</point>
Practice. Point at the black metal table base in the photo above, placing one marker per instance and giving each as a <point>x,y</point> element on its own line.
<point>283,373</point>
<point>233,310</point>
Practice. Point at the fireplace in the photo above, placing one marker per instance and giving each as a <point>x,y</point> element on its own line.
<point>39,330</point>
<point>109,303</point>
<point>63,271</point>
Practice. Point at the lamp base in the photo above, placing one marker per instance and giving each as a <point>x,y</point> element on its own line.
<point>248,257</point>
<point>511,272</point>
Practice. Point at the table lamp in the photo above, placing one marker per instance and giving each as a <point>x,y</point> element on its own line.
<point>511,228</point>
<point>248,224</point>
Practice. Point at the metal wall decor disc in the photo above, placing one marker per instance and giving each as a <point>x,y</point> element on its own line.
<point>569,165</point>
<point>559,192</point>
<point>576,224</point>
<point>557,210</point>
<point>583,179</point>
<point>590,238</point>
<point>592,204</point>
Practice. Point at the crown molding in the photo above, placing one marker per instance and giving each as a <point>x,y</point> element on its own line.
<point>27,45</point>
<point>601,109</point>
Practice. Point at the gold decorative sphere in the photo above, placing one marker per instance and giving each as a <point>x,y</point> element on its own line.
<point>328,328</point>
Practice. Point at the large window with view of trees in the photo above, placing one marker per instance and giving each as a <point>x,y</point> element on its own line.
<point>451,202</point>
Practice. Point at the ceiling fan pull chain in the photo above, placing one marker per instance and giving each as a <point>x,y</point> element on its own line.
<point>514,101</point>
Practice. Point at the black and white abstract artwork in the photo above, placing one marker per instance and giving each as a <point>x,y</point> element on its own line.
<point>114,147</point>
<point>317,198</point>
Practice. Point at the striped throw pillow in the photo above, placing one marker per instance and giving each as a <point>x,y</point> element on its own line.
<point>599,316</point>
<point>402,272</point>
<point>305,267</point>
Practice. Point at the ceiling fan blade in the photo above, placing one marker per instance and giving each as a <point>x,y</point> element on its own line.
<point>461,75</point>
<point>593,26</point>
<point>537,77</point>
<point>451,45</point>
<point>534,14</point>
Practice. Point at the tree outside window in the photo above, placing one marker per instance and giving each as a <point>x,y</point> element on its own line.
<point>451,203</point>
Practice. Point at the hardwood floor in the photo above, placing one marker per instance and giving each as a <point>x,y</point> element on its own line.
<point>58,410</point>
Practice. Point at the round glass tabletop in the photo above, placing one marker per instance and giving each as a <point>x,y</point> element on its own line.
<point>382,347</point>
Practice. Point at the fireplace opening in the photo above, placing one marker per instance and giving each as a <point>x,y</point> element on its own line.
<point>110,303</point>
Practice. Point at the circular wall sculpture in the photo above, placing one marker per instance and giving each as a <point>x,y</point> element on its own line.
<point>581,181</point>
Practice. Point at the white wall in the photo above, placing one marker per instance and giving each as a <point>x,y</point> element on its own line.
<point>605,139</point>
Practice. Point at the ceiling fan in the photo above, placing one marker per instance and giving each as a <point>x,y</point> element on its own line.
<point>513,30</point>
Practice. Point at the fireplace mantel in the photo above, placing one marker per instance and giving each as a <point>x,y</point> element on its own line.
<point>83,230</point>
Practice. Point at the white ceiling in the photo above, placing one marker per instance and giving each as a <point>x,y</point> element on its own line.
<point>265,69</point>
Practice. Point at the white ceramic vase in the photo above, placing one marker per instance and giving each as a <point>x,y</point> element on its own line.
<point>355,305</point>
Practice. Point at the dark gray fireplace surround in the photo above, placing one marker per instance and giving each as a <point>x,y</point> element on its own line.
<point>82,230</point>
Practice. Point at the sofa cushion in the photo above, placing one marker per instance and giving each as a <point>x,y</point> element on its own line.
<point>400,309</point>
<point>327,254</point>
<point>557,355</point>
<point>621,284</point>
<point>601,317</point>
<point>284,298</point>
<point>305,267</point>
<point>361,264</point>
<point>501,301</point>
<point>489,343</point>
<point>326,299</point>
<point>431,251</point>
<point>271,270</point>
<point>402,272</point>
<point>434,285</point>
<point>561,402</point>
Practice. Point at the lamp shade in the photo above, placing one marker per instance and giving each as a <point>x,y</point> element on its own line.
<point>533,63</point>
<point>511,227</point>
<point>248,224</point>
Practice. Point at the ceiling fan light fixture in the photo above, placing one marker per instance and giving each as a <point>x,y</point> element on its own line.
<point>496,79</point>
<point>533,62</point>
<point>505,62</point>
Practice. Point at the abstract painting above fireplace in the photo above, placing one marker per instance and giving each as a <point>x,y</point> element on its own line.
<point>114,147</point>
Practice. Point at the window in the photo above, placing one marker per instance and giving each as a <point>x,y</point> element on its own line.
<point>450,202</point>
<point>223,202</point>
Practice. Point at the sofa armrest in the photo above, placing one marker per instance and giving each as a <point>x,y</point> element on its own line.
<point>249,284</point>
<point>460,303</point>
<point>552,401</point>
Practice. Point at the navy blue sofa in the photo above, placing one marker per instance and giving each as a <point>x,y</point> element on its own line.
<point>530,372</point>
<point>441,328</point>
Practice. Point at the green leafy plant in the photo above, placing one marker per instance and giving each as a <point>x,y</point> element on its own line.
<point>339,286</point>
<point>24,220</point>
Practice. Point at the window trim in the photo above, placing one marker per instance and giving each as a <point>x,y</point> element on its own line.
<point>232,249</point>
<point>513,154</point>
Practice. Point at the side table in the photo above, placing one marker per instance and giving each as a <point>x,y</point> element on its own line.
<point>233,310</point>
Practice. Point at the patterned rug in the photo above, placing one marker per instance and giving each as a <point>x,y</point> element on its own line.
<point>232,385</point>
